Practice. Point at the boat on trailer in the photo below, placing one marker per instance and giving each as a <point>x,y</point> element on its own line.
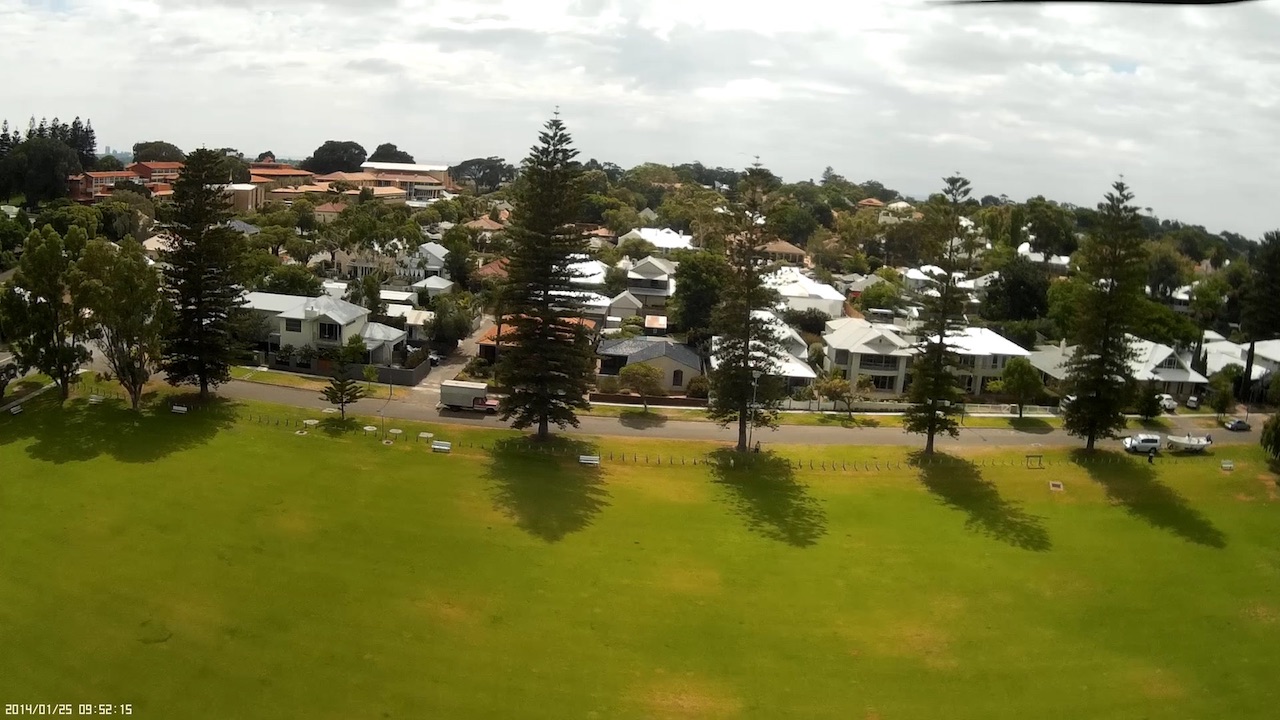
<point>1188,443</point>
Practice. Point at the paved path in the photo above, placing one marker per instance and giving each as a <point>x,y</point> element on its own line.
<point>419,406</point>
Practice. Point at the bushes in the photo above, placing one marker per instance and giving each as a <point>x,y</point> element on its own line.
<point>811,320</point>
<point>416,358</point>
<point>477,368</point>
<point>608,384</point>
<point>698,387</point>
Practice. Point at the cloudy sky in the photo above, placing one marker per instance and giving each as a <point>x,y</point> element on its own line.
<point>1054,99</point>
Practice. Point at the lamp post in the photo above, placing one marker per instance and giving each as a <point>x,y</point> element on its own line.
<point>755,386</point>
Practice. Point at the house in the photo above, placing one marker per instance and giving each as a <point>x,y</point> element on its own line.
<point>1055,263</point>
<point>790,363</point>
<point>156,172</point>
<point>857,347</point>
<point>488,343</point>
<point>398,297</point>
<point>319,322</point>
<point>623,306</point>
<point>425,261</point>
<point>335,288</point>
<point>871,203</point>
<point>679,363</point>
<point>588,273</point>
<point>496,269</point>
<point>434,285</point>
<point>1218,353</point>
<point>358,263</point>
<point>421,183</point>
<point>652,280</point>
<point>852,284</point>
<point>155,246</point>
<point>665,240</point>
<point>648,215</point>
<point>1169,369</point>
<point>328,212</point>
<point>783,251</point>
<point>590,304</point>
<point>245,197</point>
<point>417,322</point>
<point>800,292</point>
<point>982,356</point>
<point>266,173</point>
<point>486,225</point>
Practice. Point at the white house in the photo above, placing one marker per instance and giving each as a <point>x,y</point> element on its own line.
<point>623,306</point>
<point>398,297</point>
<point>1056,263</point>
<point>800,292</point>
<point>790,364</point>
<point>857,347</point>
<point>1169,369</point>
<point>652,280</point>
<point>588,273</point>
<point>323,321</point>
<point>983,355</point>
<point>416,322</point>
<point>434,285</point>
<point>427,260</point>
<point>664,239</point>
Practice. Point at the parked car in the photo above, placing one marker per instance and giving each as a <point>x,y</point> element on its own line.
<point>1142,443</point>
<point>1193,402</point>
<point>458,395</point>
<point>434,358</point>
<point>1167,403</point>
<point>1066,400</point>
<point>1236,425</point>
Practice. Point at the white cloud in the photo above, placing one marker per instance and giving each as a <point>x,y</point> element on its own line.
<point>1055,100</point>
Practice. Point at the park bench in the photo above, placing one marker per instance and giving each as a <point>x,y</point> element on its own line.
<point>1228,465</point>
<point>441,446</point>
<point>15,410</point>
<point>589,460</point>
<point>95,399</point>
<point>179,409</point>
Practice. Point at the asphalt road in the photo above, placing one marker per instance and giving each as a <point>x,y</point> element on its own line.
<point>420,406</point>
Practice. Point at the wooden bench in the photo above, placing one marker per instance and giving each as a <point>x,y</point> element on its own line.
<point>15,410</point>
<point>589,460</point>
<point>178,409</point>
<point>441,446</point>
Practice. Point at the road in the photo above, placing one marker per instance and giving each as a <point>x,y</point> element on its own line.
<point>420,406</point>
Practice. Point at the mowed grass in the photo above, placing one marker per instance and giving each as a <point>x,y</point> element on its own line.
<point>217,565</point>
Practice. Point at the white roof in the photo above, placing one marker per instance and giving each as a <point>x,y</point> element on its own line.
<point>650,268</point>
<point>435,282</point>
<point>330,307</point>
<point>273,302</point>
<point>588,299</point>
<point>397,296</point>
<point>790,282</point>
<point>776,364</point>
<point>1219,354</point>
<point>242,186</point>
<point>1267,349</point>
<point>590,272</point>
<point>411,314</point>
<point>864,338</point>
<point>984,341</point>
<point>434,250</point>
<point>663,238</point>
<point>403,167</point>
<point>377,334</point>
<point>335,288</point>
<point>1025,251</point>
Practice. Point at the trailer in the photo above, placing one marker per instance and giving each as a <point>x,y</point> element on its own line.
<point>459,395</point>
<point>1188,443</point>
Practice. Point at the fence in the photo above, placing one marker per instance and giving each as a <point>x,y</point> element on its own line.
<point>890,406</point>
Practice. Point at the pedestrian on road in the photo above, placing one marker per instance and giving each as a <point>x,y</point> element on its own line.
<point>1151,456</point>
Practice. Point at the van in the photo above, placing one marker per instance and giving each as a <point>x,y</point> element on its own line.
<point>1142,443</point>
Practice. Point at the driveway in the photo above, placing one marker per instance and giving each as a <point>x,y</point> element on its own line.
<point>451,365</point>
<point>417,408</point>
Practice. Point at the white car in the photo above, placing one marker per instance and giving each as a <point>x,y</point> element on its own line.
<point>1193,402</point>
<point>1142,443</point>
<point>1167,403</point>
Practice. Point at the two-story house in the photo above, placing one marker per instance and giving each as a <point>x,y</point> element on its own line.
<point>787,360</point>
<point>317,322</point>
<point>982,355</point>
<point>1168,368</point>
<point>156,171</point>
<point>426,260</point>
<point>652,281</point>
<point>857,348</point>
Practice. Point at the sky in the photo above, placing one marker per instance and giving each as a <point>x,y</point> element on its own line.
<point>1055,99</point>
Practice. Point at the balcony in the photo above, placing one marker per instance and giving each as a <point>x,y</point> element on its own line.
<point>876,363</point>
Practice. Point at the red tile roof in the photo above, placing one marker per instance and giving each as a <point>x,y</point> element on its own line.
<point>330,208</point>
<point>495,269</point>
<point>870,202</point>
<point>485,223</point>
<point>283,171</point>
<point>159,165</point>
<point>112,173</point>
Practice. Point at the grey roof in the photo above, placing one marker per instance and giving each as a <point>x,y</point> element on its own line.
<point>375,334</point>
<point>640,349</point>
<point>864,283</point>
<point>625,298</point>
<point>333,308</point>
<point>243,227</point>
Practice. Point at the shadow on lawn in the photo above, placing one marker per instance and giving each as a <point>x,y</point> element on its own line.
<point>1133,484</point>
<point>958,483</point>
<point>541,486</point>
<point>1035,426</point>
<point>763,490</point>
<point>77,431</point>
<point>641,420</point>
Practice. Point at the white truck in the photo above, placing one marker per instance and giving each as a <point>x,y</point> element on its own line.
<point>460,395</point>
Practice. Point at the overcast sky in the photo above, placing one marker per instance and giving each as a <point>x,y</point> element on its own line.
<point>1054,99</point>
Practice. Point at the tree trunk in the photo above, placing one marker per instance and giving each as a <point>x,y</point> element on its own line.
<point>342,411</point>
<point>928,443</point>
<point>135,398</point>
<point>1245,379</point>
<point>204,388</point>
<point>64,388</point>
<point>1019,411</point>
<point>1088,443</point>
<point>742,430</point>
<point>544,427</point>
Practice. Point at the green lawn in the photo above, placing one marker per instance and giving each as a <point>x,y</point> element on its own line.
<point>23,387</point>
<point>218,565</point>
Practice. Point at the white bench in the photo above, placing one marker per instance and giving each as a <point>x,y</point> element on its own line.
<point>15,410</point>
<point>1228,465</point>
<point>179,409</point>
<point>441,446</point>
<point>589,460</point>
<point>95,399</point>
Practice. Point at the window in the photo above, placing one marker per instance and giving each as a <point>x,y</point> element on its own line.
<point>330,331</point>
<point>842,357</point>
<point>876,362</point>
<point>884,383</point>
<point>1170,362</point>
<point>292,325</point>
<point>677,378</point>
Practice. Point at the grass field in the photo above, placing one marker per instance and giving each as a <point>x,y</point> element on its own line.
<point>218,565</point>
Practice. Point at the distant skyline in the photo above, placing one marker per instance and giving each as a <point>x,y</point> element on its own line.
<point>1054,99</point>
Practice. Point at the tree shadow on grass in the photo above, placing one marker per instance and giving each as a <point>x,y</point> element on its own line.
<point>542,487</point>
<point>959,484</point>
<point>1035,426</point>
<point>1133,484</point>
<point>78,431</point>
<point>338,427</point>
<point>763,490</point>
<point>845,421</point>
<point>641,420</point>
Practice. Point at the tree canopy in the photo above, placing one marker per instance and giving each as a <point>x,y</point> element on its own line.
<point>157,151</point>
<point>335,156</point>
<point>388,152</point>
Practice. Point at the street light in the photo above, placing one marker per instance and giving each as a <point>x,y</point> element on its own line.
<point>755,386</point>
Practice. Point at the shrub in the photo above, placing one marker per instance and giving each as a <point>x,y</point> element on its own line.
<point>477,367</point>
<point>698,387</point>
<point>803,394</point>
<point>416,358</point>
<point>810,320</point>
<point>608,384</point>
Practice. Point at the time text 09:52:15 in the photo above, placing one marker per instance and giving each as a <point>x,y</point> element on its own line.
<point>47,709</point>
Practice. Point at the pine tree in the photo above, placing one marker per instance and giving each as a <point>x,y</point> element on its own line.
<point>343,389</point>
<point>549,364</point>
<point>745,386</point>
<point>935,393</point>
<point>1260,316</point>
<point>6,141</point>
<point>1113,264</point>
<point>205,265</point>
